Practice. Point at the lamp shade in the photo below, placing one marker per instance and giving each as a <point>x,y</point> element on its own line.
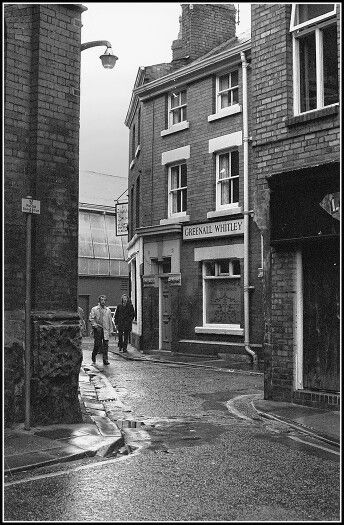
<point>108,60</point>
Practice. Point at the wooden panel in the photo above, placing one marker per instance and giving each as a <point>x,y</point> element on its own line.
<point>321,317</point>
<point>166,315</point>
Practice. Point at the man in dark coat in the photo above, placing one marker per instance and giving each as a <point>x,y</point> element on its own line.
<point>124,316</point>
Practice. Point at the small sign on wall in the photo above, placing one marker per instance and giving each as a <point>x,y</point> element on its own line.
<point>122,218</point>
<point>31,206</point>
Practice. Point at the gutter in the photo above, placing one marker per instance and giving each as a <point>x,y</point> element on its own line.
<point>247,213</point>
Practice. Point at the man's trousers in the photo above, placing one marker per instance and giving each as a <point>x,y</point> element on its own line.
<point>101,346</point>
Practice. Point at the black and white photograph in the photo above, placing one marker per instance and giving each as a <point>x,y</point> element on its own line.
<point>171,262</point>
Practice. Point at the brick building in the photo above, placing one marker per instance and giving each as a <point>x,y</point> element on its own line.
<point>194,245</point>
<point>296,148</point>
<point>41,159</point>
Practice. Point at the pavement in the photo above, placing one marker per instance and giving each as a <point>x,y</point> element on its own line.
<point>101,432</point>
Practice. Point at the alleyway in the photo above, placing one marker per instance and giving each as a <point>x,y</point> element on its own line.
<point>191,458</point>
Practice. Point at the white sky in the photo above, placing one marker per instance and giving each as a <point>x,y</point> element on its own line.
<point>141,34</point>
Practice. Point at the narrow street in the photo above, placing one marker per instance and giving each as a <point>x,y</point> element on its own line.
<point>190,458</point>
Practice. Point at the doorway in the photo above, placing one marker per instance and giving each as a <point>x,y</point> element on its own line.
<point>321,305</point>
<point>165,315</point>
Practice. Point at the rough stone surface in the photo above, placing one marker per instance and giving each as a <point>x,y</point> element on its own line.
<point>57,358</point>
<point>14,383</point>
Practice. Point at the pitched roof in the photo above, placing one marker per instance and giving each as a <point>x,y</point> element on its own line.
<point>156,71</point>
<point>231,43</point>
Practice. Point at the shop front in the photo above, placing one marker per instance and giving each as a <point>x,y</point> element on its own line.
<point>305,228</point>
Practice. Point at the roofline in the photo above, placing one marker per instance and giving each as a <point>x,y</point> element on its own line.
<point>194,70</point>
<point>102,208</point>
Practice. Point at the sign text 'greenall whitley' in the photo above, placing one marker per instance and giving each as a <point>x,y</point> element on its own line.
<point>213,229</point>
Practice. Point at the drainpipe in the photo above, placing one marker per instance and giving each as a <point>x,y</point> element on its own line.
<point>247,213</point>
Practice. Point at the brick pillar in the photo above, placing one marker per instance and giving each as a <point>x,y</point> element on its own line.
<point>41,121</point>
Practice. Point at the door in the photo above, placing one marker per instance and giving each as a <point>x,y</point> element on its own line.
<point>321,316</point>
<point>166,333</point>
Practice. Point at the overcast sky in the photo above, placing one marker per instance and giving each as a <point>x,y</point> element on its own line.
<point>141,34</point>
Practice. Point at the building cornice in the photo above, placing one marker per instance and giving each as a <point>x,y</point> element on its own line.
<point>158,230</point>
<point>191,72</point>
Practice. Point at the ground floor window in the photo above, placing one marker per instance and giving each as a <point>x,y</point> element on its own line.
<point>222,292</point>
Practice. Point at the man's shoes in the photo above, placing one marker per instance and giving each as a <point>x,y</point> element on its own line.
<point>106,363</point>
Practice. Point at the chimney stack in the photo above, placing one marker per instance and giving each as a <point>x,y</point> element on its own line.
<point>203,27</point>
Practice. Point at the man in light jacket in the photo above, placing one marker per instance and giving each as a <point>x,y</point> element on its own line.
<point>101,321</point>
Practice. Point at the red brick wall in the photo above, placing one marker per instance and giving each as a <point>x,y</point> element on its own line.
<point>42,82</point>
<point>281,143</point>
<point>205,26</point>
<point>201,165</point>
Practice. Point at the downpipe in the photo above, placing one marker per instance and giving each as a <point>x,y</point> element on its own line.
<point>247,213</point>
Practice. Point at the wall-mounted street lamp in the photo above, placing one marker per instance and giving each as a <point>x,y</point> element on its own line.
<point>108,58</point>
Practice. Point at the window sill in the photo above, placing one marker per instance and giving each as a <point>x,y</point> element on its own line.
<point>175,128</point>
<point>175,220</point>
<point>225,112</point>
<point>312,115</point>
<point>217,329</point>
<point>132,164</point>
<point>222,213</point>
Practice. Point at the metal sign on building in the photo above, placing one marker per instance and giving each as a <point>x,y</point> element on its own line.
<point>213,229</point>
<point>122,218</point>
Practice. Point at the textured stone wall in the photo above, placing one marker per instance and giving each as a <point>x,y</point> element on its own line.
<point>56,361</point>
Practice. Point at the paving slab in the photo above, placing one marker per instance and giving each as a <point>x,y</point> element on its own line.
<point>106,427</point>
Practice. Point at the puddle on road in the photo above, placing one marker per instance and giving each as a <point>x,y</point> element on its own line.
<point>175,434</point>
<point>128,423</point>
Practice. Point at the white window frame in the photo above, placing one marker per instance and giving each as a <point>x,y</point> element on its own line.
<point>294,26</point>
<point>217,276</point>
<point>229,90</point>
<point>180,107</point>
<point>301,30</point>
<point>172,191</point>
<point>231,205</point>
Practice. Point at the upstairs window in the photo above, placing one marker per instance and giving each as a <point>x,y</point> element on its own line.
<point>303,15</point>
<point>137,203</point>
<point>315,56</point>
<point>227,90</point>
<point>227,179</point>
<point>133,142</point>
<point>177,191</point>
<point>177,107</point>
<point>139,126</point>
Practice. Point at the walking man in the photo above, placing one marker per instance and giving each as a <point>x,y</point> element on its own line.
<point>100,319</point>
<point>124,316</point>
